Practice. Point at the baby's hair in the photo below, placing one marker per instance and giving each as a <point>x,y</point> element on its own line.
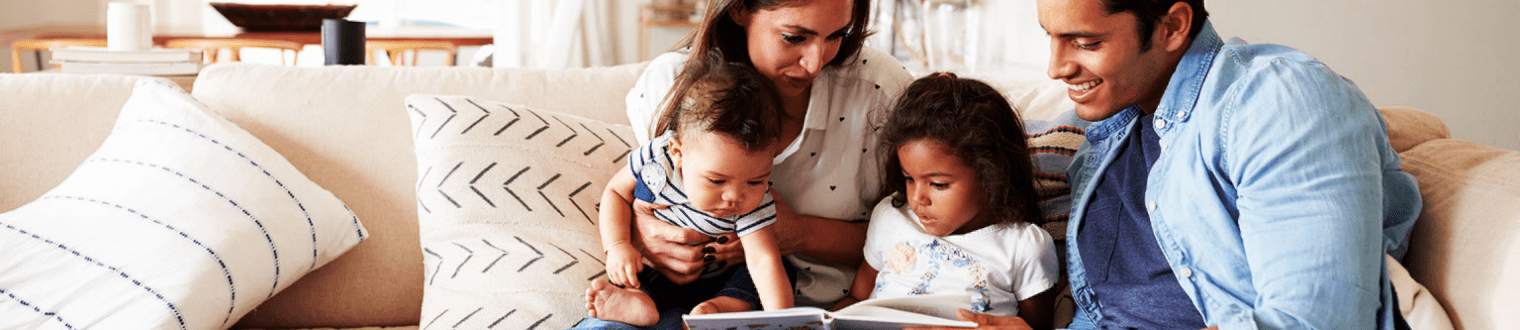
<point>975,120</point>
<point>726,98</point>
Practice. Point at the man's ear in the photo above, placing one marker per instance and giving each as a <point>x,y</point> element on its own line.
<point>1175,27</point>
<point>675,151</point>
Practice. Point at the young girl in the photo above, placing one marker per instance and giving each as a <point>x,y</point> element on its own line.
<point>959,208</point>
<point>711,170</point>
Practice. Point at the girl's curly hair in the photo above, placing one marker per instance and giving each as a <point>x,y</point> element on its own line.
<point>986,133</point>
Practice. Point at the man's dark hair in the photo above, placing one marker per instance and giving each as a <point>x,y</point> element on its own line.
<point>1149,12</point>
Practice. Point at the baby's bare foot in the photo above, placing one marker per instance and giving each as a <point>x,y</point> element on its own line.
<point>628,305</point>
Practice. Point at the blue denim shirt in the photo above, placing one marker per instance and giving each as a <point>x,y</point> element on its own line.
<point>1275,196</point>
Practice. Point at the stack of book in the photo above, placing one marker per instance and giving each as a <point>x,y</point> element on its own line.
<point>155,61</point>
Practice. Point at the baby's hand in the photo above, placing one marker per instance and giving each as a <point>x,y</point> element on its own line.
<point>624,264</point>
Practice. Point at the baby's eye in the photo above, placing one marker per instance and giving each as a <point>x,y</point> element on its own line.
<point>716,181</point>
<point>755,183</point>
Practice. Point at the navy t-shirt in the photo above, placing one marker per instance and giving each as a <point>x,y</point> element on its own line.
<point>1129,276</point>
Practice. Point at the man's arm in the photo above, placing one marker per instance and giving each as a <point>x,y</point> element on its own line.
<point>1302,153</point>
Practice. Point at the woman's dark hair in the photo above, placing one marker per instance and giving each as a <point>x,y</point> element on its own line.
<point>975,120</point>
<point>1149,12</point>
<point>719,33</point>
<point>730,99</point>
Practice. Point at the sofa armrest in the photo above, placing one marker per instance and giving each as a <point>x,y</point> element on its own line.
<point>1409,127</point>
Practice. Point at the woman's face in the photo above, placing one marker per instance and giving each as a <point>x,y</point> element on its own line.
<point>790,44</point>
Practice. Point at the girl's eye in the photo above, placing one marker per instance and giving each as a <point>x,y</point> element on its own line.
<point>909,179</point>
<point>793,39</point>
<point>938,185</point>
<point>755,183</point>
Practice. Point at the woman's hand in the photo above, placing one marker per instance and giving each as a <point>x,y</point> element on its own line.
<point>984,321</point>
<point>679,254</point>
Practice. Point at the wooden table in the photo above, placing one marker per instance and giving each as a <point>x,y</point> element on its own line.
<point>456,35</point>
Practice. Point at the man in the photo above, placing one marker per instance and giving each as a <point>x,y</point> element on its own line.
<point>1222,185</point>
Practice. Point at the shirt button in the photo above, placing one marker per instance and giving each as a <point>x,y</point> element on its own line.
<point>1186,273</point>
<point>1160,124</point>
<point>1181,114</point>
<point>1153,206</point>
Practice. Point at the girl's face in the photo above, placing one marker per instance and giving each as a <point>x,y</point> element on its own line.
<point>943,191</point>
<point>791,44</point>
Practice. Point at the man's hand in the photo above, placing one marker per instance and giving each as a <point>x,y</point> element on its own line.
<point>984,321</point>
<point>679,254</point>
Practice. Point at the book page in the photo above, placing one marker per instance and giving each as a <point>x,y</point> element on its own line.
<point>940,305</point>
<point>791,318</point>
<point>878,317</point>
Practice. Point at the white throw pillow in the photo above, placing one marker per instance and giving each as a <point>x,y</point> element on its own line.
<point>180,220</point>
<point>507,207</point>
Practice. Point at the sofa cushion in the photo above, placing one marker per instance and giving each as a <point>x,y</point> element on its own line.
<point>1409,127</point>
<point>507,203</point>
<point>1464,247</point>
<point>346,127</point>
<point>51,123</point>
<point>180,220</point>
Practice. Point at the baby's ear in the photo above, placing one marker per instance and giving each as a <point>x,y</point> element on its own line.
<point>675,151</point>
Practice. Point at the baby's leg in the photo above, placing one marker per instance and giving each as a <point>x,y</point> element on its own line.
<point>721,304</point>
<point>628,305</point>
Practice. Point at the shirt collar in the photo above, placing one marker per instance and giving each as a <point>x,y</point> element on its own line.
<point>1181,91</point>
<point>1187,81</point>
<point>818,99</point>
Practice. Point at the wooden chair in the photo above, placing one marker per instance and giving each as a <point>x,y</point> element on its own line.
<point>40,45</point>
<point>210,47</point>
<point>396,48</point>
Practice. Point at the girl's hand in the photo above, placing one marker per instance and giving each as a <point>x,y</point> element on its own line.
<point>624,264</point>
<point>678,253</point>
<point>984,321</point>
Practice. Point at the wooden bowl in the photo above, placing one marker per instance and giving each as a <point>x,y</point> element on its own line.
<point>253,17</point>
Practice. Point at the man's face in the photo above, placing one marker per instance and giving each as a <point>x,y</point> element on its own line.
<point>1099,58</point>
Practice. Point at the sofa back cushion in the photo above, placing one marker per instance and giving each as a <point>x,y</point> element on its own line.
<point>347,128</point>
<point>51,123</point>
<point>1465,247</point>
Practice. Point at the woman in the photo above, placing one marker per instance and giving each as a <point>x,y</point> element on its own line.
<point>825,177</point>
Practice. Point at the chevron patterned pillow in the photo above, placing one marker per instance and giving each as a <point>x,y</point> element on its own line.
<point>507,207</point>
<point>180,220</point>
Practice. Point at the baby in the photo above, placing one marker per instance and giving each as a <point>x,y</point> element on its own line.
<point>710,170</point>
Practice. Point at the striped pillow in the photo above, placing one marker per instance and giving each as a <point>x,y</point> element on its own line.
<point>180,220</point>
<point>507,208</point>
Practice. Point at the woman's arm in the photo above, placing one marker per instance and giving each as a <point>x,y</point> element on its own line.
<point>765,268</point>
<point>801,234</point>
<point>678,253</point>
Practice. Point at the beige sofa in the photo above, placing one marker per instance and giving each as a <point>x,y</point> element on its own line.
<point>346,128</point>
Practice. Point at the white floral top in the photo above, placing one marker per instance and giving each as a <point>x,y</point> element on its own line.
<point>998,265</point>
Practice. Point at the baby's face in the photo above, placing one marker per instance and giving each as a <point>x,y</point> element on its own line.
<point>720,176</point>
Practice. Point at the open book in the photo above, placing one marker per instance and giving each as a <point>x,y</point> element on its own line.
<point>893,313</point>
